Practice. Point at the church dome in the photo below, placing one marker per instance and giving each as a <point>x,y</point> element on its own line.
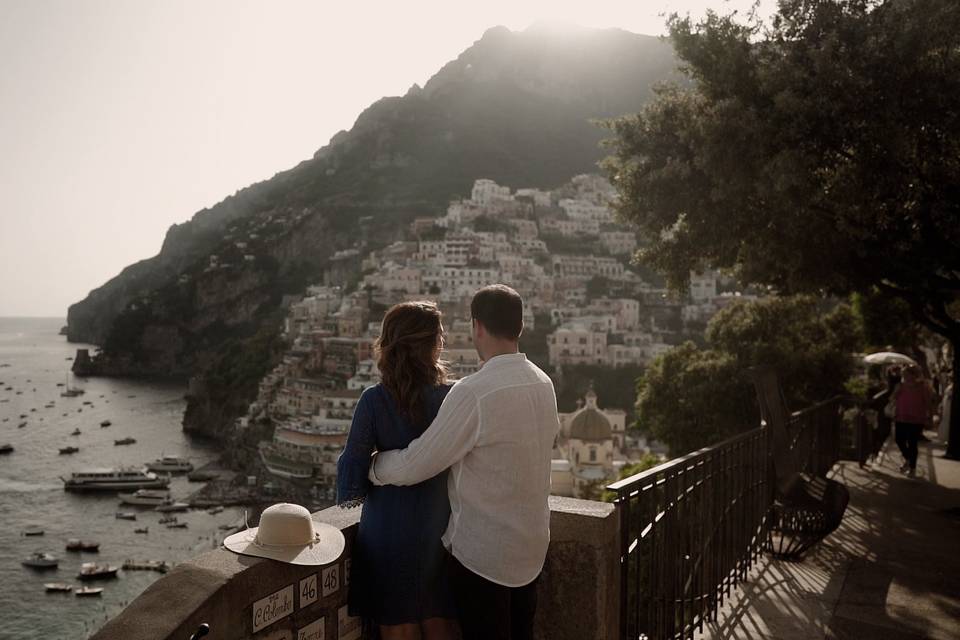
<point>590,424</point>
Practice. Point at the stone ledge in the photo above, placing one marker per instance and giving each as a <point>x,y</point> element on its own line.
<point>578,591</point>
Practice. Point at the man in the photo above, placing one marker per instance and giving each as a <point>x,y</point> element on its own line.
<point>495,430</point>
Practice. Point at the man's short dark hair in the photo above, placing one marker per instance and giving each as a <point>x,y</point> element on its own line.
<point>499,309</point>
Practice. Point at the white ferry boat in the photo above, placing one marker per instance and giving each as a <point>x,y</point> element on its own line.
<point>170,464</point>
<point>114,480</point>
<point>146,497</point>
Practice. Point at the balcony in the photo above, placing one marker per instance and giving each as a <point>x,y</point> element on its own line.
<point>681,555</point>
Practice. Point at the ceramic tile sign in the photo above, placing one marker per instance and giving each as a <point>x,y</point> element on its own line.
<point>330,578</point>
<point>313,631</point>
<point>348,628</point>
<point>274,607</point>
<point>308,590</point>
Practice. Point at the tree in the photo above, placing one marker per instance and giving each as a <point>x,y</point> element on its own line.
<point>819,153</point>
<point>690,397</point>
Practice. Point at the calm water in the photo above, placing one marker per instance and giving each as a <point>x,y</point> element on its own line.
<point>33,359</point>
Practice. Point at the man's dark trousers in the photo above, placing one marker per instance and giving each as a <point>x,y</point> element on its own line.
<point>491,611</point>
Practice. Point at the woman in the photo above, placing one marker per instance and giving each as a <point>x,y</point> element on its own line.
<point>397,577</point>
<point>914,402</point>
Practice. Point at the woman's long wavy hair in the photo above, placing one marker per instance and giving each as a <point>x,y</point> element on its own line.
<point>408,354</point>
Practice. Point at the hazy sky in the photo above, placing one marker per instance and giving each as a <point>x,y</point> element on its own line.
<point>119,118</point>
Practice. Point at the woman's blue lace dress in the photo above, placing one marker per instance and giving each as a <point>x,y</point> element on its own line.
<point>397,568</point>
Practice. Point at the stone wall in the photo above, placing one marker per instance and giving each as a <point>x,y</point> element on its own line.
<point>244,598</point>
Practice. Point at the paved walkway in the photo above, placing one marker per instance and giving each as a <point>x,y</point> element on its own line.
<point>892,570</point>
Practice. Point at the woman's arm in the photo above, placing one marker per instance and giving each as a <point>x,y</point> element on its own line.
<point>354,463</point>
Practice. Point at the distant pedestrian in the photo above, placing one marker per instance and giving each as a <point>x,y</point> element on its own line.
<point>914,411</point>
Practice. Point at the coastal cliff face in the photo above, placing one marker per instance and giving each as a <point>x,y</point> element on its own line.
<point>515,107</point>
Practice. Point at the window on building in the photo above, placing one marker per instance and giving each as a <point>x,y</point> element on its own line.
<point>593,454</point>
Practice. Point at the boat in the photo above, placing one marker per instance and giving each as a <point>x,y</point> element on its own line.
<point>94,571</point>
<point>147,497</point>
<point>147,565</point>
<point>214,510</point>
<point>177,525</point>
<point>75,432</point>
<point>125,515</point>
<point>113,479</point>
<point>21,425</point>
<point>73,544</point>
<point>170,464</point>
<point>6,448</point>
<point>201,476</point>
<point>40,561</point>
<point>71,393</point>
<point>58,587</point>
<point>124,441</point>
<point>66,450</point>
<point>172,507</point>
<point>167,519</point>
<point>142,530</point>
<point>33,530</point>
<point>88,591</point>
<point>105,423</point>
<point>87,402</point>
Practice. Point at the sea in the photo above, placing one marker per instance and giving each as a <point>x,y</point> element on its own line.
<point>34,359</point>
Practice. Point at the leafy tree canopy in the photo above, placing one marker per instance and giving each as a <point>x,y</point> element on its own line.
<point>817,153</point>
<point>690,397</point>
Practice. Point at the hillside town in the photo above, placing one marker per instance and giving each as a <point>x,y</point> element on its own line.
<point>562,250</point>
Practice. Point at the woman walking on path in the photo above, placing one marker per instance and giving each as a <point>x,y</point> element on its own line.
<point>914,411</point>
<point>398,580</point>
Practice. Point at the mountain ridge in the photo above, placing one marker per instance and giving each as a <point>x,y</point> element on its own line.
<point>515,107</point>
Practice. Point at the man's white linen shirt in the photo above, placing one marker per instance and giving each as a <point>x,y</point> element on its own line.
<point>495,431</point>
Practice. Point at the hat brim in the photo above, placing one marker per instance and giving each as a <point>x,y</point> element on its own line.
<point>324,551</point>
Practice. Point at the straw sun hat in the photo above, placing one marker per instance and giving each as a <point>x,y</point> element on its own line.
<point>287,533</point>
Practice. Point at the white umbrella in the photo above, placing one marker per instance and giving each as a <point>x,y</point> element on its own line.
<point>888,357</point>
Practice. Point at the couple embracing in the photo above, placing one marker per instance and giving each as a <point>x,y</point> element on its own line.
<point>454,479</point>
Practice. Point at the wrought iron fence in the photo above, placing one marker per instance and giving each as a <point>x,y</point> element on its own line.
<point>691,529</point>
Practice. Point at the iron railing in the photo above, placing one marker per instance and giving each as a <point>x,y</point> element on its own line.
<point>691,529</point>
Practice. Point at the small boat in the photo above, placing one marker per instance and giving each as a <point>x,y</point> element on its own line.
<point>74,544</point>
<point>75,432</point>
<point>125,515</point>
<point>33,530</point>
<point>201,476</point>
<point>142,530</point>
<point>6,448</point>
<point>122,441</point>
<point>167,519</point>
<point>148,497</point>
<point>71,393</point>
<point>40,561</point>
<point>214,510</point>
<point>177,525</point>
<point>58,587</point>
<point>21,425</point>
<point>94,571</point>
<point>88,591</point>
<point>66,450</point>
<point>147,565</point>
<point>105,423</point>
<point>60,384</point>
<point>170,464</point>
<point>172,507</point>
<point>87,402</point>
